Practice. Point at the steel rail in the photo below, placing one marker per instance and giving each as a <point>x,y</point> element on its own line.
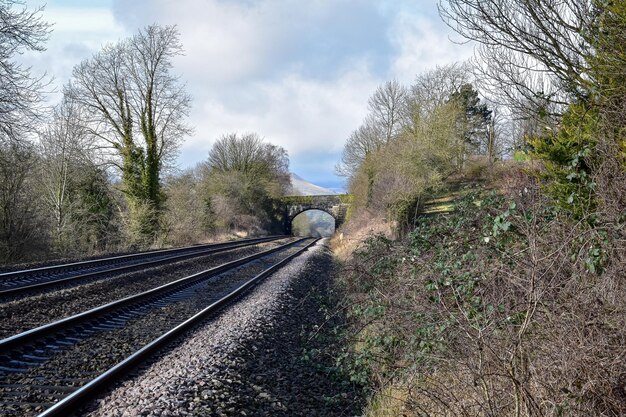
<point>213,248</point>
<point>21,339</point>
<point>95,262</point>
<point>86,393</point>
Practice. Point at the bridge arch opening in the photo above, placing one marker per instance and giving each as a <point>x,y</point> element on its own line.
<point>313,222</point>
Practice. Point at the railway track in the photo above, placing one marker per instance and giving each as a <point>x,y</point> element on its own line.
<point>17,283</point>
<point>53,369</point>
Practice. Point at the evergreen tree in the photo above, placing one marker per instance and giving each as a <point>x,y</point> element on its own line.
<point>475,117</point>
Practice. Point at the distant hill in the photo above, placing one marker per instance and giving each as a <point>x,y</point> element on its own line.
<point>300,186</point>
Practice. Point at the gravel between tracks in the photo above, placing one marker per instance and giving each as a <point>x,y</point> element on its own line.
<point>248,361</point>
<point>20,315</point>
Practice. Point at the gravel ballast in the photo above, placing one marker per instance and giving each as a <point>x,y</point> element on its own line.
<point>247,361</point>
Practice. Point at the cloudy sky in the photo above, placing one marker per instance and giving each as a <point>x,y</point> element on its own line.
<point>298,72</point>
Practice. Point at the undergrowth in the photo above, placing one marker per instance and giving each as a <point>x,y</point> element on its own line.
<point>505,307</point>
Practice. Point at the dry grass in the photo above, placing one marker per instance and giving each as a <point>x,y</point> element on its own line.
<point>390,402</point>
<point>362,224</point>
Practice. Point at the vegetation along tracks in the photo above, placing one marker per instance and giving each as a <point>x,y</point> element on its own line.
<point>65,362</point>
<point>17,283</point>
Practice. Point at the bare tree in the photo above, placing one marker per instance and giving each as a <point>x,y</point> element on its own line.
<point>384,122</point>
<point>135,107</point>
<point>20,93</point>
<point>63,148</point>
<point>188,216</point>
<point>21,230</point>
<point>444,89</point>
<point>433,88</point>
<point>363,141</point>
<point>530,49</point>
<point>386,108</point>
<point>250,155</point>
<point>244,176</point>
<point>158,100</point>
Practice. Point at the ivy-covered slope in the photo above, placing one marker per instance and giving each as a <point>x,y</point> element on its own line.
<point>503,306</point>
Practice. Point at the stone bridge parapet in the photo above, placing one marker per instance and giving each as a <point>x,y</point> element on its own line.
<point>336,205</point>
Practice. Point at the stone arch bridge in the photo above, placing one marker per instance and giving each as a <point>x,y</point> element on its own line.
<point>335,205</point>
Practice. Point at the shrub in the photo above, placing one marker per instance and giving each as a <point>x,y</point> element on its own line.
<point>566,155</point>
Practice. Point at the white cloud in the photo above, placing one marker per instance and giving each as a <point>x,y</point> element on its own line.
<point>234,41</point>
<point>77,33</point>
<point>422,44</point>
<point>299,114</point>
<point>224,41</point>
<point>83,21</point>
